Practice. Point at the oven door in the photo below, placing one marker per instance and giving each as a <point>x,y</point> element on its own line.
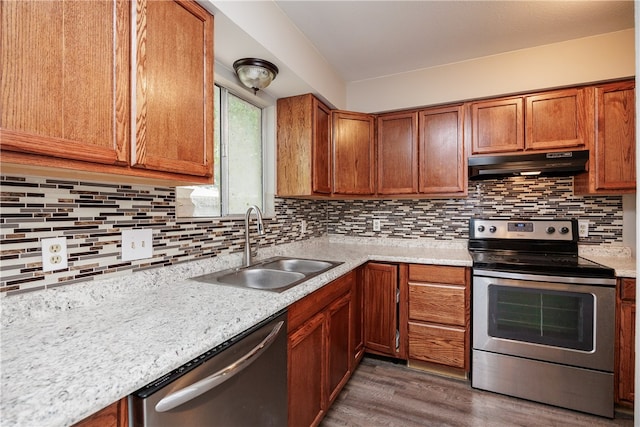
<point>567,323</point>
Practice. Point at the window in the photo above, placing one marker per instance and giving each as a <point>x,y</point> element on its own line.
<point>238,162</point>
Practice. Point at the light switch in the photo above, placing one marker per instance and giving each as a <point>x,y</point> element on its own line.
<point>137,244</point>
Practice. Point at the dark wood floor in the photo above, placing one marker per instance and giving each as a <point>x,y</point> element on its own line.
<point>381,393</point>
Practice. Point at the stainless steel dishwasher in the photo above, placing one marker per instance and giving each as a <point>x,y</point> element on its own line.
<point>242,382</point>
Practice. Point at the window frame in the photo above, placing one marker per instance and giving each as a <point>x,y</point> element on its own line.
<point>224,150</point>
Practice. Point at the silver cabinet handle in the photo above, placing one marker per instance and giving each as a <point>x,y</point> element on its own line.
<point>194,390</point>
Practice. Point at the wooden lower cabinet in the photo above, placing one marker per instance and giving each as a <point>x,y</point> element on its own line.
<point>114,415</point>
<point>439,316</point>
<point>437,344</point>
<point>625,341</point>
<point>321,353</point>
<point>380,307</point>
<point>307,367</point>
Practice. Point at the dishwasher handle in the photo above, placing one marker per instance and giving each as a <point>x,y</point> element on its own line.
<point>194,390</point>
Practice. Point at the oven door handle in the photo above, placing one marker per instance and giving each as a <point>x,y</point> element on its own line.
<point>194,390</point>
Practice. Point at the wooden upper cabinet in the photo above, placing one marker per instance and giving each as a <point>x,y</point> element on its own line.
<point>78,95</point>
<point>62,62</point>
<point>615,143</point>
<point>612,151</point>
<point>321,166</point>
<point>174,88</point>
<point>353,153</point>
<point>556,120</point>
<point>497,126</point>
<point>553,120</point>
<point>397,155</point>
<point>303,146</point>
<point>442,162</point>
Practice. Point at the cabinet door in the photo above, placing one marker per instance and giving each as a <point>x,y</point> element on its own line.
<point>442,162</point>
<point>497,126</point>
<point>556,120</point>
<point>340,345</point>
<point>307,356</point>
<point>357,320</point>
<point>321,139</point>
<point>397,144</point>
<point>65,79</point>
<point>303,146</point>
<point>625,342</point>
<point>615,141</point>
<point>353,153</point>
<point>174,88</point>
<point>380,308</point>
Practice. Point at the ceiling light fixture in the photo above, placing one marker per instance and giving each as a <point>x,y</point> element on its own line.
<point>255,73</point>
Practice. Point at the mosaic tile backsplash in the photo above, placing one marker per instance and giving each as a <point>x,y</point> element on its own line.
<point>92,216</point>
<point>445,219</point>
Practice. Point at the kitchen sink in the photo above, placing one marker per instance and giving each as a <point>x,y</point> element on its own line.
<point>274,274</point>
<point>261,278</point>
<point>299,265</point>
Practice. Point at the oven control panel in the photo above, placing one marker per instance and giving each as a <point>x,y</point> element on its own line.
<point>531,229</point>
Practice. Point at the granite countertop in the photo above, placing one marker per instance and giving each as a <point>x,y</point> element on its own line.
<point>70,351</point>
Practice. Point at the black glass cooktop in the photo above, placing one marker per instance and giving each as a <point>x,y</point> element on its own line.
<point>557,264</point>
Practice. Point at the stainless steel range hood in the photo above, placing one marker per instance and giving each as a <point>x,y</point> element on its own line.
<point>547,164</point>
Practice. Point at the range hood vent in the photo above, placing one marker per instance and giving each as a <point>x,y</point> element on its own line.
<point>544,164</point>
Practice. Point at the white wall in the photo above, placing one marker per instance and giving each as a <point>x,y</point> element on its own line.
<point>603,57</point>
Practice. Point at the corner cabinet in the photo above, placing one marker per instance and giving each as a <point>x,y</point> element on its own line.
<point>303,147</point>
<point>321,349</point>
<point>67,98</point>
<point>353,153</point>
<point>612,156</point>
<point>625,342</point>
<point>439,318</point>
<point>554,120</point>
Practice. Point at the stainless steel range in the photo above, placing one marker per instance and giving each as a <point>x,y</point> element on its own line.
<point>543,317</point>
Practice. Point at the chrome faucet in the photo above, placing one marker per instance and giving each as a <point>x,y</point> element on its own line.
<point>247,243</point>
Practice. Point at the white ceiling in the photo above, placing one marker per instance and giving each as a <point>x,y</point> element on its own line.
<point>370,39</point>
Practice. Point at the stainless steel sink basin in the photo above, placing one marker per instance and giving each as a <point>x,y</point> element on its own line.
<point>261,278</point>
<point>274,274</point>
<point>299,265</point>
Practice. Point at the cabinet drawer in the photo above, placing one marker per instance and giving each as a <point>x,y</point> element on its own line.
<point>437,274</point>
<point>628,289</point>
<point>437,303</point>
<point>437,344</point>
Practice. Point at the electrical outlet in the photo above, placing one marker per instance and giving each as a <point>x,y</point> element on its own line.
<point>137,244</point>
<point>376,225</point>
<point>303,226</point>
<point>54,254</point>
<point>583,228</point>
